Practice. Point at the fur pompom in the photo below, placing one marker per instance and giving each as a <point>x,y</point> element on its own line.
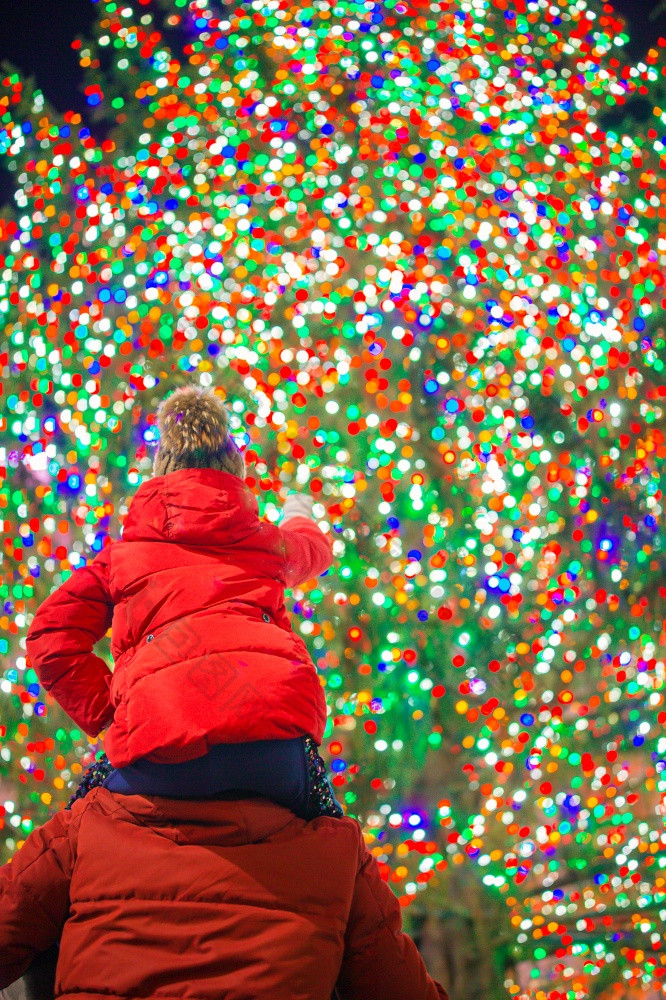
<point>194,434</point>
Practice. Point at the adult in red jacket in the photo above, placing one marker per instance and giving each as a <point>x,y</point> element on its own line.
<point>215,900</point>
<point>203,648</point>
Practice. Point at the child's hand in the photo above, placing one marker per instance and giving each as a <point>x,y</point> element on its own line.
<point>297,505</point>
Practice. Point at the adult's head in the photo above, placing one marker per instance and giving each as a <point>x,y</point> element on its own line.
<point>194,434</point>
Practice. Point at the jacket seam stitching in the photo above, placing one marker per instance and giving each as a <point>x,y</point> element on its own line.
<point>215,900</point>
<point>178,663</point>
<point>25,888</point>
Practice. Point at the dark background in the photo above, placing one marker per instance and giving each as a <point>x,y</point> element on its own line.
<point>36,36</point>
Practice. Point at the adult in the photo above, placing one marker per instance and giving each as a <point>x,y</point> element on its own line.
<point>218,899</point>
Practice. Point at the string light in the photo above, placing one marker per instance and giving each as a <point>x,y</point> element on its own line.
<point>408,245</point>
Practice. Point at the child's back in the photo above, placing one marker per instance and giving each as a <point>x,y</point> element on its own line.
<point>194,591</point>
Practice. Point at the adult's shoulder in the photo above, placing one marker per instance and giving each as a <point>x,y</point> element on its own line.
<point>346,831</point>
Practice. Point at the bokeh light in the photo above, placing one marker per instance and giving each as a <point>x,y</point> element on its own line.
<point>420,252</point>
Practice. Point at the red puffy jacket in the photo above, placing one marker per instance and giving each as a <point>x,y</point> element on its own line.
<point>203,647</point>
<point>215,900</point>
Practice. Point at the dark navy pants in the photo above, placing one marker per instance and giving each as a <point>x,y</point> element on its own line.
<point>273,769</point>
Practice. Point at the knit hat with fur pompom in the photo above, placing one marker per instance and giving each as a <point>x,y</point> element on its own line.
<point>194,434</point>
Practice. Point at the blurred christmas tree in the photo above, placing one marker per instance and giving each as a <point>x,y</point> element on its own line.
<point>406,243</point>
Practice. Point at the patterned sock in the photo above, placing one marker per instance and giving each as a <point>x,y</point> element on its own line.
<point>322,800</point>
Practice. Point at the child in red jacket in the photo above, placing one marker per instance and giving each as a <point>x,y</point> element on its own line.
<point>212,692</point>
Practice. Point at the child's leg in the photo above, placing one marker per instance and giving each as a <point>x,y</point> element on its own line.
<point>273,769</point>
<point>187,780</point>
<point>288,772</point>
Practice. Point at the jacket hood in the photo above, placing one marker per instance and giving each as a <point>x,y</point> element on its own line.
<point>192,506</point>
<point>215,821</point>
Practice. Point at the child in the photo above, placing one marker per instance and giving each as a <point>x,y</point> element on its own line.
<point>212,692</point>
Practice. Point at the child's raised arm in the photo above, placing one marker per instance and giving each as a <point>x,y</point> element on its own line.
<point>307,550</point>
<point>60,645</point>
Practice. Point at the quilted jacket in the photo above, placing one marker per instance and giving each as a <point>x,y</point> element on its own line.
<point>203,648</point>
<point>215,900</point>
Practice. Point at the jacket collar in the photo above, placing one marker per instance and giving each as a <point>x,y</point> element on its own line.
<point>205,821</point>
<point>192,506</point>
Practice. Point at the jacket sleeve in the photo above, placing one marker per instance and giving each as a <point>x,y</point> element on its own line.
<point>60,645</point>
<point>306,550</point>
<point>34,896</point>
<point>380,962</point>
